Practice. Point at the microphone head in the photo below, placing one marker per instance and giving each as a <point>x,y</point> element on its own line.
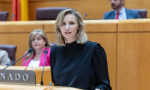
<point>45,51</point>
<point>84,15</point>
<point>30,50</point>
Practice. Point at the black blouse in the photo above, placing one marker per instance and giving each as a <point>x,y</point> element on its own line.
<point>82,66</point>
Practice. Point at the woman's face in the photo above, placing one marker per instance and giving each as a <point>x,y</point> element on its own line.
<point>69,28</point>
<point>38,42</point>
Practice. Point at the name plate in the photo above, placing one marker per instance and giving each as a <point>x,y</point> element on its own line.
<point>18,77</point>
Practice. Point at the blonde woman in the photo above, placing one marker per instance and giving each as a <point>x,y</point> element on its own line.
<point>38,41</point>
<point>77,62</point>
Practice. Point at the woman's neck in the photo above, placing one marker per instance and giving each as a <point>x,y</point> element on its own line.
<point>38,54</point>
<point>70,40</point>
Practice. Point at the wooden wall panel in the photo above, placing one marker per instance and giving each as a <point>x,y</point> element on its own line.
<point>51,37</point>
<point>5,5</point>
<point>94,9</point>
<point>133,61</point>
<point>133,54</point>
<point>49,27</point>
<point>21,27</point>
<point>100,25</point>
<point>90,26</point>
<point>108,42</point>
<point>50,31</point>
<point>19,39</point>
<point>139,25</point>
<point>17,33</point>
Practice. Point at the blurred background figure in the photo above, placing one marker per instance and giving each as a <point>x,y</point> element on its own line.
<point>120,12</point>
<point>38,41</point>
<point>4,59</point>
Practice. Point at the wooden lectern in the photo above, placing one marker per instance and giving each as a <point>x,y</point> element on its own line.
<point>38,72</point>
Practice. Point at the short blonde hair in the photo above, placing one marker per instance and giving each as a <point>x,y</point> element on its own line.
<point>81,34</point>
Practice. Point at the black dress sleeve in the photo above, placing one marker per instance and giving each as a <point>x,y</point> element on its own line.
<point>100,69</point>
<point>52,61</point>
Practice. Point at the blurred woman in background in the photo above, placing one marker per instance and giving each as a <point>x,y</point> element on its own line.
<point>38,41</point>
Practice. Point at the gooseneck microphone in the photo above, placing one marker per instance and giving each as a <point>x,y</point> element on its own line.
<point>29,51</point>
<point>43,67</point>
<point>84,15</point>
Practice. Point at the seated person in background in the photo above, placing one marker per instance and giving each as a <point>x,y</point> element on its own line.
<point>77,62</point>
<point>38,41</point>
<point>4,59</point>
<point>120,12</point>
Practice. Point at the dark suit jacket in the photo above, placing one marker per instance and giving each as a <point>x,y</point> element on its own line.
<point>130,14</point>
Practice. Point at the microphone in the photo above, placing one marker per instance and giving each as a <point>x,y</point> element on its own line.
<point>29,51</point>
<point>12,17</point>
<point>43,67</point>
<point>84,15</point>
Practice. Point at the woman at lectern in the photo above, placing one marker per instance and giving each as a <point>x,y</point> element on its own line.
<point>4,59</point>
<point>39,43</point>
<point>77,62</point>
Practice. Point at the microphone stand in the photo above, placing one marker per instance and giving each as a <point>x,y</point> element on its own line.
<point>29,51</point>
<point>43,67</point>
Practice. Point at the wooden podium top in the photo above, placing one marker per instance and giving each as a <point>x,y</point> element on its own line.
<point>38,87</point>
<point>61,88</point>
<point>21,87</point>
<point>14,67</point>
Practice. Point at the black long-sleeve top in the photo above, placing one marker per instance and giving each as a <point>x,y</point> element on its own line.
<point>82,66</point>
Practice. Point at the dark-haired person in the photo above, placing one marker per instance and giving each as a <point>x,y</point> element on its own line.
<point>120,12</point>
<point>77,62</point>
<point>38,41</point>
